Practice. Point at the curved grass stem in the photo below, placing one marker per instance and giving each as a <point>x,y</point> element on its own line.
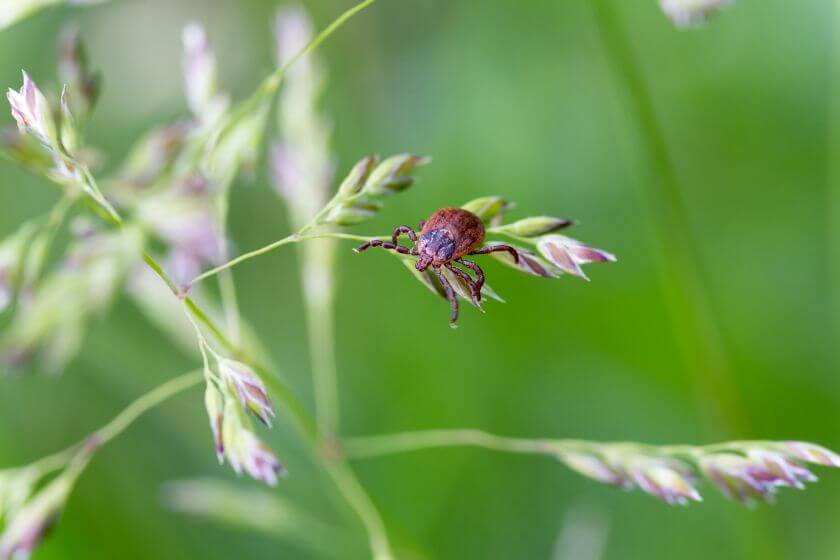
<point>364,447</point>
<point>389,444</point>
<point>293,238</point>
<point>118,425</point>
<point>146,402</point>
<point>352,490</point>
<point>245,257</point>
<point>341,475</point>
<point>316,260</point>
<point>271,84</point>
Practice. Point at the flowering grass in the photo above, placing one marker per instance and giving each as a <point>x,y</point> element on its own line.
<point>162,217</point>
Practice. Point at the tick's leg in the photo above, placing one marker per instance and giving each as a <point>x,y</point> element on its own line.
<point>476,291</point>
<point>450,295</point>
<point>479,274</point>
<point>403,229</point>
<point>397,248</point>
<point>496,248</point>
<point>384,245</point>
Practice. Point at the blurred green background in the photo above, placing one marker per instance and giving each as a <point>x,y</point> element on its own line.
<point>514,99</point>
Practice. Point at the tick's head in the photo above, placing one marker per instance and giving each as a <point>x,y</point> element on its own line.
<point>435,247</point>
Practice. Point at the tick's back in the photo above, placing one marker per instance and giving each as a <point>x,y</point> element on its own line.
<point>465,228</point>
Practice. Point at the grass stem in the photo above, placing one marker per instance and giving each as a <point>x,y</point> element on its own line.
<point>293,238</point>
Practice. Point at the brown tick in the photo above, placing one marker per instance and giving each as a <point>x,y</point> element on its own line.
<point>445,238</point>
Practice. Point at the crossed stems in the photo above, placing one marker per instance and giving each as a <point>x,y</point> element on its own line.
<point>424,261</point>
<point>336,468</point>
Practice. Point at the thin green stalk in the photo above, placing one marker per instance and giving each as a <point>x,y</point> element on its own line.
<point>344,478</point>
<point>345,236</point>
<point>373,446</point>
<point>244,257</point>
<point>293,238</point>
<point>158,270</point>
<point>320,38</point>
<point>697,329</point>
<point>271,84</point>
<point>148,401</point>
<point>199,314</point>
<point>156,267</point>
<point>336,468</point>
<point>390,444</point>
<point>118,425</point>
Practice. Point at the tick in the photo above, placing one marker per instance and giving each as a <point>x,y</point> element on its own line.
<point>445,238</point>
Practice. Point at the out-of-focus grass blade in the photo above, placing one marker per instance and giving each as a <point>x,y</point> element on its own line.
<point>260,511</point>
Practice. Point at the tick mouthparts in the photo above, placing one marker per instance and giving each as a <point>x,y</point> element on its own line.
<point>423,263</point>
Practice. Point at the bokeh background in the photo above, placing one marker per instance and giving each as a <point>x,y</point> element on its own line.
<point>515,99</point>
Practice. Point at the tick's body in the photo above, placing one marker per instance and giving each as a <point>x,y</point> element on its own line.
<point>446,237</point>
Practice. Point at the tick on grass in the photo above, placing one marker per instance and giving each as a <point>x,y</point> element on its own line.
<point>445,238</point>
